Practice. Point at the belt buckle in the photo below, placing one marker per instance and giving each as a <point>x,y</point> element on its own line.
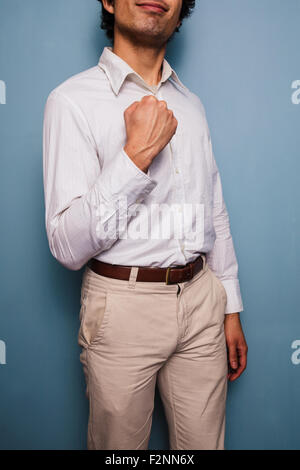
<point>189,274</point>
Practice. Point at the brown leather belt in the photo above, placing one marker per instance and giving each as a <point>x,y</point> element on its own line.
<point>170,275</point>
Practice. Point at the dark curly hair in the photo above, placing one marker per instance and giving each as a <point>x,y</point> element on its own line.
<point>108,20</point>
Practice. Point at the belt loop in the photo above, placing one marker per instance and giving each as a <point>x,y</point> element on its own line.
<point>132,278</point>
<point>203,256</point>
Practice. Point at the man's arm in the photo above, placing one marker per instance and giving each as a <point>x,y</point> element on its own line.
<point>84,204</point>
<point>222,260</point>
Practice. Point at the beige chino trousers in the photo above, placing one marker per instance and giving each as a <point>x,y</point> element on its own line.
<point>134,334</point>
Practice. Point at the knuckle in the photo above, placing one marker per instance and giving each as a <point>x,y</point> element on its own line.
<point>162,103</point>
<point>149,98</point>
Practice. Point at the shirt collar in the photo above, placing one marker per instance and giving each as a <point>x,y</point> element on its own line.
<point>117,70</point>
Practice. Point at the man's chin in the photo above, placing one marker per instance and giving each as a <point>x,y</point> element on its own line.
<point>150,36</point>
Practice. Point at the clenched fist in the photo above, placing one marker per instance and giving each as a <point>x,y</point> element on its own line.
<point>150,125</point>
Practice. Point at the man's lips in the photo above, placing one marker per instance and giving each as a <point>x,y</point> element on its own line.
<point>152,7</point>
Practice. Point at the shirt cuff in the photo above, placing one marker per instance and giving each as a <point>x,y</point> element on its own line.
<point>234,299</point>
<point>122,179</point>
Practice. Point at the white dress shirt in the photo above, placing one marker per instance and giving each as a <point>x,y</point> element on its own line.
<point>100,204</point>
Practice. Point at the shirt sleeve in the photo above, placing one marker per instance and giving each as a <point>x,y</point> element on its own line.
<point>86,206</point>
<point>222,258</point>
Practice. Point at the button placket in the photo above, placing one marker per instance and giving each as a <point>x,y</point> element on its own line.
<point>179,182</point>
<point>179,190</point>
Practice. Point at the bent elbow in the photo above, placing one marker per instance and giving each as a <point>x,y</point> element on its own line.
<point>64,256</point>
<point>70,264</point>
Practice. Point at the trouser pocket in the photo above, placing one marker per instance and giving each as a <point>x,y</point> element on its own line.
<point>93,312</point>
<point>220,286</point>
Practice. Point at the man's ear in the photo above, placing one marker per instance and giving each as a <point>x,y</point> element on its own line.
<point>109,6</point>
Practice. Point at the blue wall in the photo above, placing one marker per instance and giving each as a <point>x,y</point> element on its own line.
<point>241,58</point>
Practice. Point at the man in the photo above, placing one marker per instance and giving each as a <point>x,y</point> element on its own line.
<point>132,189</point>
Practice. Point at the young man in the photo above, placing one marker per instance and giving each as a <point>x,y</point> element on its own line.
<point>133,190</point>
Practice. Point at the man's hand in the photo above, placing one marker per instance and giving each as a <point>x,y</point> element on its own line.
<point>150,125</point>
<point>236,345</point>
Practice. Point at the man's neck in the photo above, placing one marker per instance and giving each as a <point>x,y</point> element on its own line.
<point>146,61</point>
